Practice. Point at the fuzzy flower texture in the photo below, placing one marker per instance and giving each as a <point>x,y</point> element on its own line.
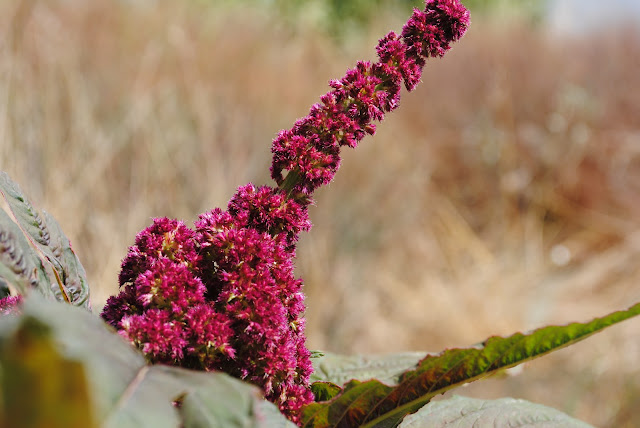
<point>223,295</point>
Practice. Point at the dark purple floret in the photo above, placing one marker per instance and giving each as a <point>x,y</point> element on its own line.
<point>117,307</point>
<point>429,33</point>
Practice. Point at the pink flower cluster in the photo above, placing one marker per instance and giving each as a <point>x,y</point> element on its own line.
<point>223,296</point>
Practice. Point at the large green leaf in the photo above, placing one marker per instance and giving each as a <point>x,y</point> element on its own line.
<point>126,392</point>
<point>40,387</point>
<point>374,404</point>
<point>463,412</point>
<point>44,233</point>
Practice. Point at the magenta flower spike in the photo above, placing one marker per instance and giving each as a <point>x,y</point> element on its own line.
<point>223,296</point>
<point>310,151</point>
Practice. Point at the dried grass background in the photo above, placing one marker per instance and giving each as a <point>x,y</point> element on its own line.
<point>503,195</point>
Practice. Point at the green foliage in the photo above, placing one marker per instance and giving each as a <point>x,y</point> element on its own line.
<point>490,6</point>
<point>35,252</point>
<point>339,18</point>
<point>531,11</point>
<point>373,403</point>
<point>325,391</point>
<point>343,18</point>
<point>359,13</point>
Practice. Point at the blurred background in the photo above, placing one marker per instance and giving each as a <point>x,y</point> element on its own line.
<point>502,196</point>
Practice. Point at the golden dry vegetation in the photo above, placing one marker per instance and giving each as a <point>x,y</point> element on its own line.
<point>502,196</point>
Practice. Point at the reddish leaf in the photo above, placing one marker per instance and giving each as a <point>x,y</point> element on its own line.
<point>373,403</point>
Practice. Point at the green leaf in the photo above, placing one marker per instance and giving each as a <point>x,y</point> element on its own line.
<point>45,234</point>
<point>126,392</point>
<point>204,400</point>
<point>373,403</point>
<point>40,387</point>
<point>463,412</point>
<point>325,391</point>
<point>218,400</point>
<point>20,267</point>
